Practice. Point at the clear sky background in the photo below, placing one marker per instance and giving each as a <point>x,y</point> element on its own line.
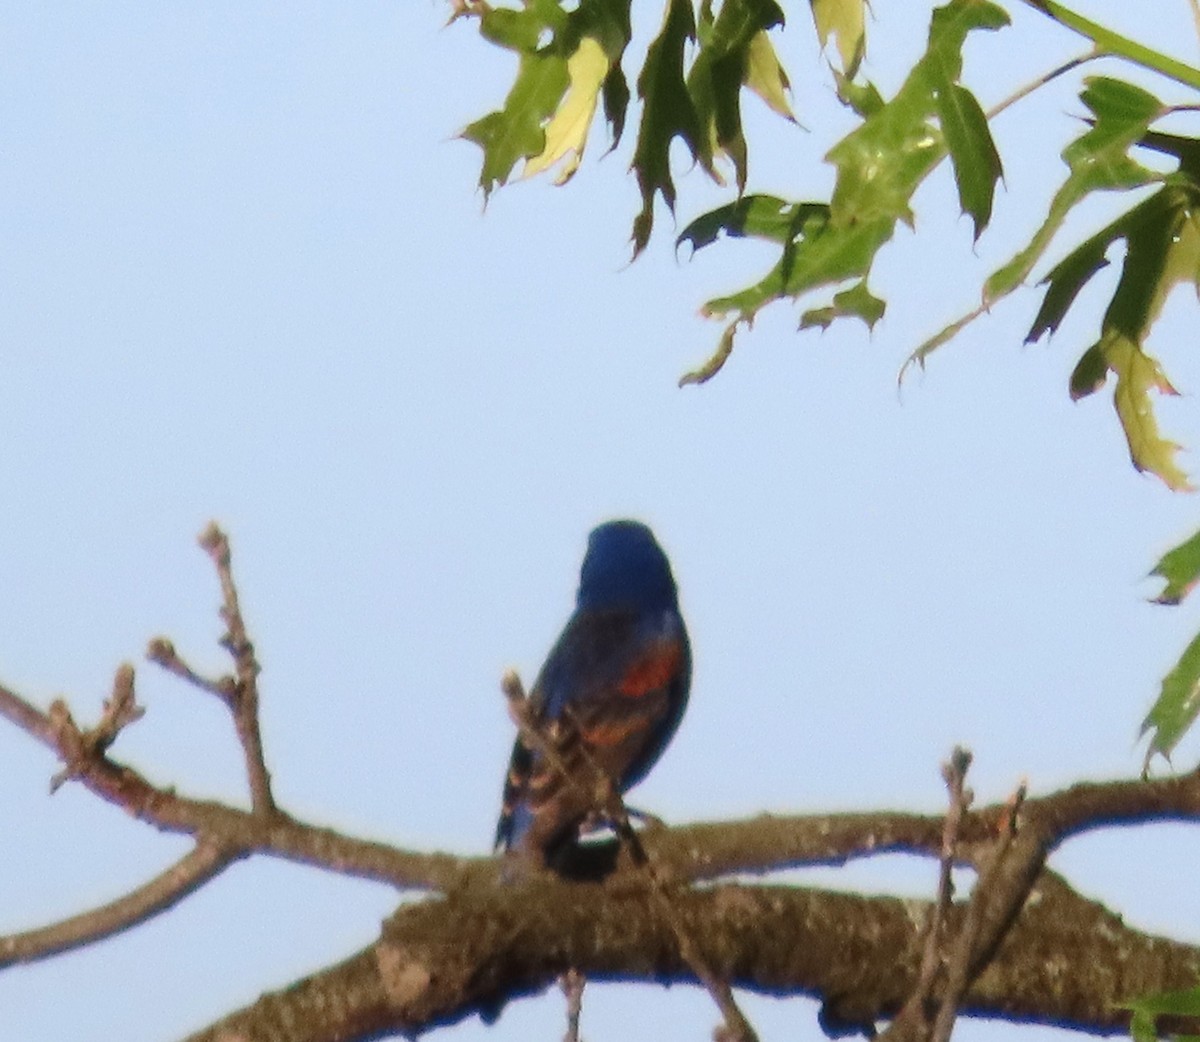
<point>245,275</point>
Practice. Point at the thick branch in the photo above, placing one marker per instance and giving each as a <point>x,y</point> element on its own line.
<point>1067,961</point>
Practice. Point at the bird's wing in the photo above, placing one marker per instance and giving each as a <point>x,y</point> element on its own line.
<point>612,691</point>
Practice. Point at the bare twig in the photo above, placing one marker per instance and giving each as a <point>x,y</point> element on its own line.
<point>1041,81</point>
<point>120,710</point>
<point>602,791</point>
<point>162,653</point>
<point>1006,875</point>
<point>246,670</point>
<point>572,983</point>
<point>205,861</point>
<point>955,775</point>
<point>995,901</point>
<point>279,836</point>
<point>913,1020</point>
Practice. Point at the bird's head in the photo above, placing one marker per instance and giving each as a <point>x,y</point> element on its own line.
<point>625,567</point>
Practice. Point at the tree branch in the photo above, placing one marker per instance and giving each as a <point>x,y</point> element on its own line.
<point>280,836</point>
<point>478,945</point>
<point>914,1019</point>
<point>440,961</point>
<point>244,700</point>
<point>696,853</point>
<point>164,891</point>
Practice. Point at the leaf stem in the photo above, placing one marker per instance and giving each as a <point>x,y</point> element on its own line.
<point>1042,80</point>
<point>1115,44</point>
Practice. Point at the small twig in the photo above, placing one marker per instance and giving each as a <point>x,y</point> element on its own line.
<point>120,710</point>
<point>205,861</point>
<point>244,703</point>
<point>531,732</point>
<point>280,836</point>
<point>162,653</point>
<point>1047,77</point>
<point>607,800</point>
<point>736,1028</point>
<point>984,924</point>
<point>955,774</point>
<point>572,983</point>
<point>913,1018</point>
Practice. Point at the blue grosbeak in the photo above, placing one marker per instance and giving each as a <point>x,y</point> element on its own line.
<point>612,692</point>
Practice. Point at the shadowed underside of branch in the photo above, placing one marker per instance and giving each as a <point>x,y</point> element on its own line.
<point>1067,961</point>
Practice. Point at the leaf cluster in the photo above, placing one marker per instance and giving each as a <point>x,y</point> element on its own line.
<point>690,87</point>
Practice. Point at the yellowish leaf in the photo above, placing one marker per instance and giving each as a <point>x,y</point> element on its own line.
<point>765,76</point>
<point>567,131</point>
<point>1137,375</point>
<point>843,19</point>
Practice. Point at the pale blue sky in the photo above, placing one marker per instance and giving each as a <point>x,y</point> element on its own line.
<point>245,275</point>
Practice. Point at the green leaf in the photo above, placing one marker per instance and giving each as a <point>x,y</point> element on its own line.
<point>1147,1008</point>
<point>520,30</point>
<point>879,166</point>
<point>1137,375</point>
<point>667,113</point>
<point>612,28</point>
<point>515,132</point>
<point>718,358</point>
<point>766,76</point>
<point>721,68</point>
<point>856,302</point>
<point>565,60</point>
<point>758,216</point>
<point>881,163</point>
<point>1177,705</point>
<point>1065,280</point>
<point>963,122</point>
<point>1098,161</point>
<point>817,256</point>
<point>615,94</point>
<point>1090,373</point>
<point>843,19</point>
<point>1162,236</point>
<point>1180,567</point>
<point>863,98</point>
<point>972,151</point>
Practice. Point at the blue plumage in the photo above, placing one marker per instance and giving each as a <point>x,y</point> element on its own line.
<point>612,690</point>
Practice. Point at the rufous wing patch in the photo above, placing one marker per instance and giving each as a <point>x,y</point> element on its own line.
<point>652,671</point>
<point>612,732</point>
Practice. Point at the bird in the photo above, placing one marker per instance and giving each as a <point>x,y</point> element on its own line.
<point>612,691</point>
